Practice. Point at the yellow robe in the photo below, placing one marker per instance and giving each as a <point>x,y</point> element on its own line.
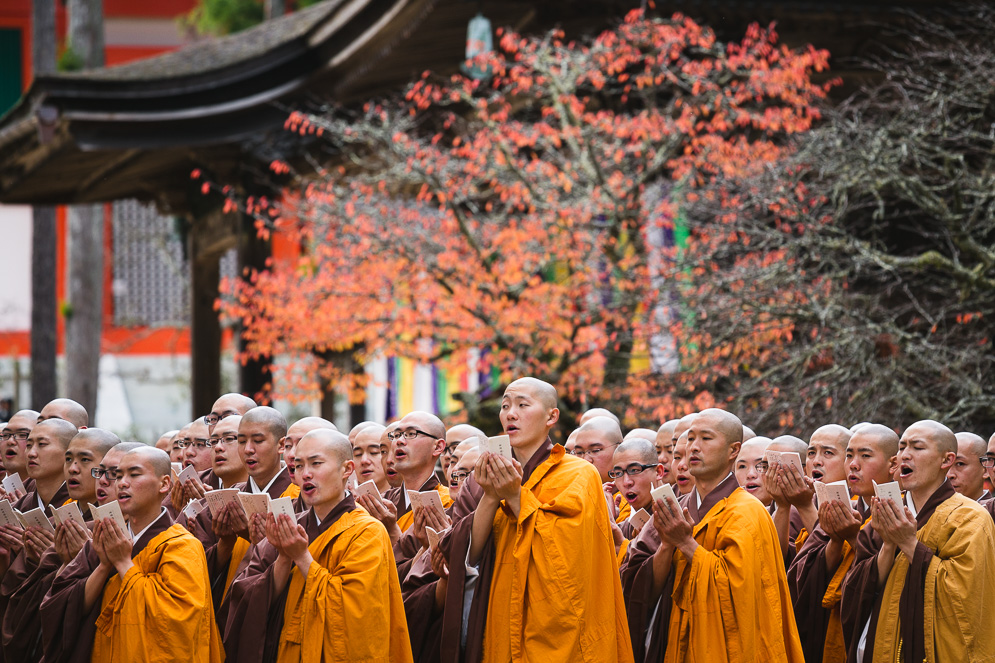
<point>349,608</point>
<point>161,610</point>
<point>555,593</point>
<point>407,520</point>
<point>960,588</point>
<point>624,511</point>
<point>731,601</point>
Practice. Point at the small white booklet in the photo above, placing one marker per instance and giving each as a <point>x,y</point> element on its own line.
<point>69,512</point>
<point>499,444</point>
<point>188,474</point>
<point>177,468</point>
<point>666,492</point>
<point>110,510</point>
<point>785,458</point>
<point>8,515</point>
<point>192,509</point>
<point>283,505</point>
<point>890,490</point>
<point>367,488</point>
<point>639,518</point>
<point>827,492</point>
<point>429,499</point>
<point>12,482</point>
<point>36,518</point>
<point>217,499</point>
<point>433,538</point>
<point>253,503</point>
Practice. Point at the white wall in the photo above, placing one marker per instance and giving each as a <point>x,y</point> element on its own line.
<point>15,268</point>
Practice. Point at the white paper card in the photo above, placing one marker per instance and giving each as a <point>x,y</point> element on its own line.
<point>177,468</point>
<point>499,444</point>
<point>793,459</point>
<point>433,538</point>
<point>192,509</point>
<point>110,510</point>
<point>283,505</point>
<point>8,515</point>
<point>368,488</point>
<point>188,474</point>
<point>640,518</point>
<point>253,503</point>
<point>429,499</point>
<point>889,490</point>
<point>12,482</point>
<point>36,518</point>
<point>218,499</point>
<point>827,492</point>
<point>69,512</point>
<point>665,492</point>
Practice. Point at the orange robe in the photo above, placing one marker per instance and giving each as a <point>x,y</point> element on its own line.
<point>161,610</point>
<point>731,600</point>
<point>555,594</point>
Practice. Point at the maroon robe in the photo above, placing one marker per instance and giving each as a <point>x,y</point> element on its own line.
<point>67,629</point>
<point>254,614</point>
<point>862,594</point>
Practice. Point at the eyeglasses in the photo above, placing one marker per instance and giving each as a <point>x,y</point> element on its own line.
<point>987,461</point>
<point>111,473</point>
<point>762,467</point>
<point>20,436</point>
<point>592,453</point>
<point>226,440</point>
<point>393,436</point>
<point>450,449</point>
<point>200,444</point>
<point>631,470</point>
<point>458,476</point>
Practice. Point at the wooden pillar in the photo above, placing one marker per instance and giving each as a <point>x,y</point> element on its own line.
<point>253,251</point>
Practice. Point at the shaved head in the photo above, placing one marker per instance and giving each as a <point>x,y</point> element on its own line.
<point>358,428</point>
<point>666,431</point>
<point>542,391</point>
<point>331,441</point>
<point>606,428</point>
<point>642,450</point>
<point>832,434</point>
<point>726,423</point>
<point>99,440</point>
<point>461,432</point>
<point>748,433</point>
<point>165,441</point>
<point>971,445</point>
<point>59,430</point>
<point>881,437</point>
<point>790,443</point>
<point>232,403</point>
<point>641,434</point>
<point>67,409</point>
<point>944,438</point>
<point>157,459</point>
<point>597,412</point>
<point>682,425</point>
<point>425,421</point>
<point>275,422</point>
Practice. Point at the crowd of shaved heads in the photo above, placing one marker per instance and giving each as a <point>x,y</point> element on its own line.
<point>697,537</point>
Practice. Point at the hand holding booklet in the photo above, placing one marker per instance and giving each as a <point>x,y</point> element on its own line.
<point>827,492</point>
<point>253,503</point>
<point>12,483</point>
<point>428,499</point>
<point>283,505</point>
<point>69,512</point>
<point>218,499</point>
<point>110,510</point>
<point>367,488</point>
<point>499,444</point>
<point>36,518</point>
<point>8,515</point>
<point>888,491</point>
<point>639,518</point>
<point>666,492</point>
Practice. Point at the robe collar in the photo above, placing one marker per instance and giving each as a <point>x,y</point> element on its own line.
<point>719,493</point>
<point>941,495</point>
<point>155,528</point>
<point>315,529</point>
<point>540,456</point>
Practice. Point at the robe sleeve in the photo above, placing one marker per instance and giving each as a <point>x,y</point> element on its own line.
<point>860,592</point>
<point>424,622</point>
<point>252,612</point>
<point>67,628</point>
<point>21,623</point>
<point>640,604</point>
<point>808,580</point>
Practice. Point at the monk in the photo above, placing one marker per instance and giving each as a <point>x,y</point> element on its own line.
<point>595,442</point>
<point>967,475</point>
<point>393,478</point>
<point>355,430</point>
<point>729,599</point>
<point>15,440</point>
<point>45,454</point>
<point>455,435</point>
<point>197,451</point>
<point>664,443</point>
<point>531,514</point>
<point>635,468</point>
<point>322,588</point>
<point>682,426</point>
<point>683,479</point>
<point>597,412</point>
<point>640,433</point>
<point>748,468</point>
<point>570,442</point>
<point>106,472</point>
<point>67,410</point>
<point>297,430</point>
<point>367,454</point>
<point>462,467</point>
<point>165,441</point>
<point>30,577</point>
<point>920,604</point>
<point>228,405</point>
<point>140,594</point>
<point>461,449</point>
<point>816,574</point>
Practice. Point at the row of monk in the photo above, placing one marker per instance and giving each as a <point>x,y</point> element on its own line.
<point>410,542</point>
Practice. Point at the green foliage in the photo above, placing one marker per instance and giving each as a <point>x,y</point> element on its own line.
<point>222,17</point>
<point>70,60</point>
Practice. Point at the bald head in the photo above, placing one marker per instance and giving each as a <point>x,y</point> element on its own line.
<point>57,430</point>
<point>967,475</point>
<point>748,433</point>
<point>665,434</point>
<point>641,434</point>
<point>971,445</point>
<point>790,443</point>
<point>597,412</point>
<point>942,436</point>
<point>165,441</point>
<point>461,432</point>
<point>426,422</point>
<point>542,391</point>
<point>230,404</point>
<point>156,459</point>
<point>355,430</point>
<point>637,449</point>
<point>683,425</point>
<point>880,437</point>
<point>725,422</point>
<point>332,442</point>
<point>268,417</point>
<point>99,441</point>
<point>606,428</point>
<point>66,409</point>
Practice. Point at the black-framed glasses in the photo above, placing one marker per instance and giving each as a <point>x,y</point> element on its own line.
<point>212,419</point>
<point>411,434</point>
<point>987,461</point>
<point>20,435</point>
<point>450,449</point>
<point>592,453</point>
<point>111,472</point>
<point>762,467</point>
<point>199,443</point>
<point>226,440</point>
<point>631,470</point>
<point>458,476</point>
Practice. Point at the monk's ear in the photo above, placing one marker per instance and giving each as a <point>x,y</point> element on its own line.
<point>949,459</point>
<point>734,450</point>
<point>440,447</point>
<point>554,416</point>
<point>348,468</point>
<point>892,465</point>
<point>659,471</point>
<point>165,484</point>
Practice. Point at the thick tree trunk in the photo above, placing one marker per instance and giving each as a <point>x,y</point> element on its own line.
<point>43,305</point>
<point>86,238</point>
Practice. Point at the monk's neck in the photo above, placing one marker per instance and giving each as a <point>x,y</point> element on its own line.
<point>383,486</point>
<point>322,510</point>
<point>705,486</point>
<point>48,487</point>
<point>262,482</point>
<point>84,503</point>
<point>920,495</point>
<point>230,481</point>
<point>415,480</point>
<point>523,454</point>
<point>142,520</point>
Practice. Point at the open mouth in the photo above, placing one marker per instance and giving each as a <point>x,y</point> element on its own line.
<point>817,475</point>
<point>101,494</point>
<point>308,488</point>
<point>9,453</point>
<point>906,470</point>
<point>631,496</point>
<point>400,454</point>
<point>251,463</point>
<point>751,487</point>
<point>123,497</point>
<point>511,429</point>
<point>683,480</point>
<point>366,473</point>
<point>187,463</point>
<point>853,478</point>
<point>72,483</point>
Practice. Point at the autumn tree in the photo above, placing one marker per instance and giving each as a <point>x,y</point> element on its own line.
<point>854,279</point>
<point>529,215</point>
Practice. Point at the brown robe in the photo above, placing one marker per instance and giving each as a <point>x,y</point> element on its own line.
<point>862,594</point>
<point>407,545</point>
<point>67,629</point>
<point>637,580</point>
<point>254,614</point>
